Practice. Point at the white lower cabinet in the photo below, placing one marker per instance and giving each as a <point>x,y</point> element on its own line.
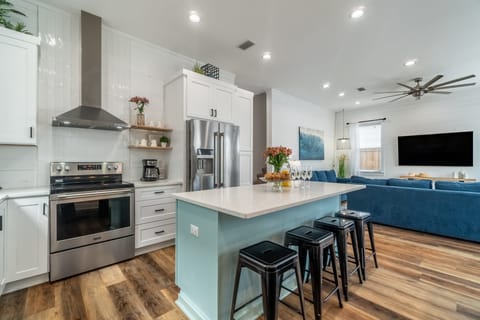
<point>155,215</point>
<point>26,238</point>
<point>3,215</point>
<point>245,168</point>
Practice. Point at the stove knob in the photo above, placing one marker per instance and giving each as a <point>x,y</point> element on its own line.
<point>67,168</point>
<point>115,167</point>
<point>109,167</point>
<point>58,168</point>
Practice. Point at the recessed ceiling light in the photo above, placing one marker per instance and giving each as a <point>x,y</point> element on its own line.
<point>326,85</point>
<point>357,13</point>
<point>341,94</point>
<point>267,56</point>
<point>194,17</point>
<point>357,102</point>
<point>410,62</point>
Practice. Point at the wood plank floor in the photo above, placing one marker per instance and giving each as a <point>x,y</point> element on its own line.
<point>420,277</point>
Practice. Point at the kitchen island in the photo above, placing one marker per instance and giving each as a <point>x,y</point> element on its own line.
<point>213,225</point>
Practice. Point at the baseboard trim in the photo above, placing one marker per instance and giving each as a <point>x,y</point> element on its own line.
<point>26,283</point>
<point>189,308</point>
<point>154,247</point>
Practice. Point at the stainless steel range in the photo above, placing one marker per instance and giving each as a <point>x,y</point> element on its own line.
<point>91,217</point>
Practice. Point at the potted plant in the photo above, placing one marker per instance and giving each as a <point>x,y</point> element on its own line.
<point>164,141</point>
<point>6,9</point>
<point>140,103</point>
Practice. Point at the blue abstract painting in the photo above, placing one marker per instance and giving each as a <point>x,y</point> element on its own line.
<point>311,145</point>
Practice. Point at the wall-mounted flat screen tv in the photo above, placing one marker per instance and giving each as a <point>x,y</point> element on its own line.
<point>443,149</point>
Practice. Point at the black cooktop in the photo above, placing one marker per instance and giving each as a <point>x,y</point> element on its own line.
<point>87,183</point>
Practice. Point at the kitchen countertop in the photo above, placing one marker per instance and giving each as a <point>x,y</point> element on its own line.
<point>252,201</point>
<point>24,192</point>
<point>158,183</point>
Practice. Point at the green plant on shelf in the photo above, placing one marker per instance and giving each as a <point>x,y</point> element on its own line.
<point>198,69</point>
<point>164,141</point>
<point>6,12</point>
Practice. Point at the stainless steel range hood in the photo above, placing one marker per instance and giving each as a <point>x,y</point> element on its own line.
<point>90,114</point>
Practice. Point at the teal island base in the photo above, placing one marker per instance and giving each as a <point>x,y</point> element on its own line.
<point>205,264</point>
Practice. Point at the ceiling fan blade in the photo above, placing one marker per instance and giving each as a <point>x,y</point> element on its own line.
<point>440,92</point>
<point>432,81</point>
<point>454,86</point>
<point>383,92</point>
<point>454,80</point>
<point>404,85</point>
<point>393,95</point>
<point>405,95</point>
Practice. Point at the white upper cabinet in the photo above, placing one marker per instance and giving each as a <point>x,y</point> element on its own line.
<point>208,98</point>
<point>18,89</point>
<point>242,115</point>
<point>26,238</point>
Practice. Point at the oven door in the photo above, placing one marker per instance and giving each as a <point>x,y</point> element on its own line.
<point>79,219</point>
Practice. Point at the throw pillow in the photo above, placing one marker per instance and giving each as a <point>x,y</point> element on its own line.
<point>331,176</point>
<point>421,184</point>
<point>363,180</point>
<point>458,186</point>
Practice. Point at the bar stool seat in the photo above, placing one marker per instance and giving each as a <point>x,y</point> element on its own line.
<point>313,242</point>
<point>341,228</point>
<point>361,218</point>
<point>271,261</point>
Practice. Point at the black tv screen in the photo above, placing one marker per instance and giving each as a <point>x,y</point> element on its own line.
<point>443,149</point>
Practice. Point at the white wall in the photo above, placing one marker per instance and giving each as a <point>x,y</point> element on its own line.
<point>459,111</point>
<point>286,113</point>
<point>130,67</point>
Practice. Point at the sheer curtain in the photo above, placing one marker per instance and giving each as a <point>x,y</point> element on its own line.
<point>355,151</point>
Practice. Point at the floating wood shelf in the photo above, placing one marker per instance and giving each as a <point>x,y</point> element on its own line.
<point>149,128</point>
<point>149,148</point>
<point>439,178</point>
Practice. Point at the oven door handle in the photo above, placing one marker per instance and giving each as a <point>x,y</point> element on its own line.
<point>89,194</point>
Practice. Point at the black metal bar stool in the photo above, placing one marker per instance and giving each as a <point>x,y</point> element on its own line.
<point>313,242</point>
<point>341,228</point>
<point>361,219</point>
<point>271,261</point>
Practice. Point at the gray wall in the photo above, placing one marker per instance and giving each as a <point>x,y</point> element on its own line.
<point>259,132</point>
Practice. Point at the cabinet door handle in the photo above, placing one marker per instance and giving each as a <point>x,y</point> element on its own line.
<point>31,132</point>
<point>211,112</point>
<point>159,232</point>
<point>159,192</point>
<point>215,113</point>
<point>159,210</point>
<point>44,209</point>
<point>1,223</point>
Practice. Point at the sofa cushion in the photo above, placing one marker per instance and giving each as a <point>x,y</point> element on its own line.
<point>363,180</point>
<point>331,175</point>
<point>319,176</point>
<point>422,184</point>
<point>457,186</point>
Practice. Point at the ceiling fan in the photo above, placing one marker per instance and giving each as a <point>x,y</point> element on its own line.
<point>418,90</point>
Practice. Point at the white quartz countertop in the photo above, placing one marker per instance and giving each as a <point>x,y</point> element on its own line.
<point>24,192</point>
<point>252,201</point>
<point>158,183</point>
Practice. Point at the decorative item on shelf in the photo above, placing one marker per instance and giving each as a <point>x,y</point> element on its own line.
<point>140,103</point>
<point>6,10</point>
<point>164,141</point>
<point>211,71</point>
<point>341,165</point>
<point>198,69</point>
<point>277,157</point>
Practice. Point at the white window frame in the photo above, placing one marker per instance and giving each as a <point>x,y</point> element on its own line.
<point>382,158</point>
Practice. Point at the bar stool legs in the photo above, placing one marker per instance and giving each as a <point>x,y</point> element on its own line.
<point>372,242</point>
<point>343,257</point>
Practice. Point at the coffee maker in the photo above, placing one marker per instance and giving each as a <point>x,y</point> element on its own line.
<point>150,170</point>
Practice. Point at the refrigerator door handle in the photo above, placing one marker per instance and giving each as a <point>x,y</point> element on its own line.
<point>222,159</point>
<point>215,159</point>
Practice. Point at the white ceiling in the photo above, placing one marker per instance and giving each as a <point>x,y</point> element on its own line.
<point>311,41</point>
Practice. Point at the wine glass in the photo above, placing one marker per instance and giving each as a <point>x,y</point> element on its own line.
<point>309,174</point>
<point>303,173</point>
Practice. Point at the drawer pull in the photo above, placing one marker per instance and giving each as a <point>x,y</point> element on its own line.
<point>159,210</point>
<point>159,192</point>
<point>159,232</point>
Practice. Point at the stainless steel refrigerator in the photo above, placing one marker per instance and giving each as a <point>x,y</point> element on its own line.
<point>213,157</point>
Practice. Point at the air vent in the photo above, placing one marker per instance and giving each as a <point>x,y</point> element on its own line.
<point>245,45</point>
<point>361,89</point>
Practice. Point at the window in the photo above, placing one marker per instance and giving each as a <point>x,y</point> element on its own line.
<point>370,147</point>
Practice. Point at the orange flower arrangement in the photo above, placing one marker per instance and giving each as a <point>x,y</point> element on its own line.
<point>277,156</point>
<point>140,102</point>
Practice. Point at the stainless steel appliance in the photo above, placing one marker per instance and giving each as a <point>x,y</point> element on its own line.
<point>91,217</point>
<point>213,159</point>
<point>150,170</point>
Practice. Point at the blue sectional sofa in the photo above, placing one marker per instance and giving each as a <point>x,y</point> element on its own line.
<point>329,176</point>
<point>452,209</point>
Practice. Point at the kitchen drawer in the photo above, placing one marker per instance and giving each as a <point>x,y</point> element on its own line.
<point>154,210</point>
<point>154,232</point>
<point>155,193</point>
